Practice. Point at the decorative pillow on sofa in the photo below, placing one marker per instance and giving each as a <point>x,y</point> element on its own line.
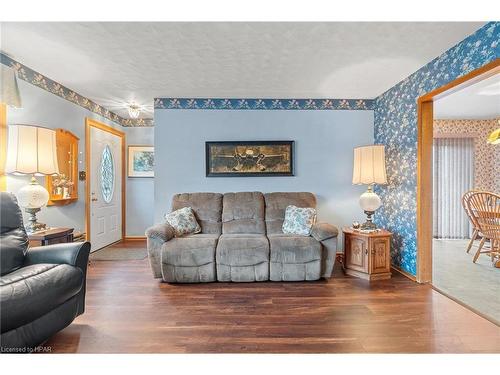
<point>183,221</point>
<point>299,220</point>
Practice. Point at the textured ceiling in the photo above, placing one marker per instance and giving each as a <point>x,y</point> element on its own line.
<point>478,101</point>
<point>114,63</point>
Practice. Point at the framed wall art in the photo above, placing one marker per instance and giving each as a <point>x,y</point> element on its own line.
<point>249,158</point>
<point>141,161</point>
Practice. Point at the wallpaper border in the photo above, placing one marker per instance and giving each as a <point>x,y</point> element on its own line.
<point>37,79</point>
<point>264,104</point>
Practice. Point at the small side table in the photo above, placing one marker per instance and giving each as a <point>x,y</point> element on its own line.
<point>367,255</point>
<point>51,236</point>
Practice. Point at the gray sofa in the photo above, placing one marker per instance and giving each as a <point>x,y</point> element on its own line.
<point>242,241</point>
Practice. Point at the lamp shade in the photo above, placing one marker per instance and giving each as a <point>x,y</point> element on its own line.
<point>10,91</point>
<point>369,165</point>
<point>31,150</point>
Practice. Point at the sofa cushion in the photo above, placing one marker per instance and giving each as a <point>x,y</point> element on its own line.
<point>294,249</point>
<point>32,291</point>
<point>190,251</point>
<point>243,213</point>
<point>242,249</point>
<point>299,220</point>
<point>276,204</point>
<point>183,221</point>
<point>12,234</point>
<point>207,208</point>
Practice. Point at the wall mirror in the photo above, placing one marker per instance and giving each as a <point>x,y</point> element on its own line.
<point>63,189</point>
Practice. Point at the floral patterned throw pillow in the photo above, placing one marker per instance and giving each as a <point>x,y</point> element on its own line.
<point>299,220</point>
<point>183,221</point>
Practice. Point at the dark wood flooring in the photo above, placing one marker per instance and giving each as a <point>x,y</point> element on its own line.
<point>128,311</point>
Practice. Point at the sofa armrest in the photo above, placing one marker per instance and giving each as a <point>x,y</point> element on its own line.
<point>157,235</point>
<point>163,231</point>
<point>324,231</point>
<point>73,253</point>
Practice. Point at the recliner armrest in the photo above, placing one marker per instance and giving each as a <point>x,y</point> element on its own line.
<point>162,231</point>
<point>324,231</point>
<point>74,253</point>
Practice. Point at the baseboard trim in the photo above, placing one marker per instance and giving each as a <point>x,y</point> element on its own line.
<point>404,273</point>
<point>134,238</point>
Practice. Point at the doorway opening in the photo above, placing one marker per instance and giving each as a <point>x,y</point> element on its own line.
<point>105,184</point>
<point>454,158</point>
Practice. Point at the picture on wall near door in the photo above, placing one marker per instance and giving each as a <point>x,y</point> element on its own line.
<point>141,161</point>
<point>250,158</point>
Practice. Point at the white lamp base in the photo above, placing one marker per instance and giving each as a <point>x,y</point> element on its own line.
<point>369,202</point>
<point>33,197</point>
<point>33,225</point>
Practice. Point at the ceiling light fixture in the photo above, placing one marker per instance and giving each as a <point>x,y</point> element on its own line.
<point>134,110</point>
<point>494,137</point>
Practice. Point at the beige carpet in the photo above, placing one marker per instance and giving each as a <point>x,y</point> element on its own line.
<point>474,284</point>
<point>119,253</point>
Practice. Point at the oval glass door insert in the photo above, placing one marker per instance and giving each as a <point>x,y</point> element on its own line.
<point>107,175</point>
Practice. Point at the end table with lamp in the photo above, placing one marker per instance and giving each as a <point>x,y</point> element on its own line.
<point>366,247</point>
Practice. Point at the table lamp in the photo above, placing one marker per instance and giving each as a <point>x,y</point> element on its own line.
<point>31,150</point>
<point>369,169</point>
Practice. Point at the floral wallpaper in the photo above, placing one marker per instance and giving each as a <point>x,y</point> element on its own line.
<point>264,104</point>
<point>486,156</point>
<point>396,128</point>
<point>31,76</point>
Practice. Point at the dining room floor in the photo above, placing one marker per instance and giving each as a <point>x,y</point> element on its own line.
<point>476,285</point>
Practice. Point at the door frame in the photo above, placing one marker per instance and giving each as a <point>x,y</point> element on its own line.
<point>425,106</point>
<point>91,123</point>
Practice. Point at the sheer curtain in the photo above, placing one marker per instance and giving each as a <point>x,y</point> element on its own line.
<point>453,175</point>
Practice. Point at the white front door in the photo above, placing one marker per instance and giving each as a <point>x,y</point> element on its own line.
<point>105,188</point>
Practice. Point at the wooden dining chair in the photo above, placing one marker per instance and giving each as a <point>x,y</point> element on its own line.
<point>485,208</point>
<point>475,229</point>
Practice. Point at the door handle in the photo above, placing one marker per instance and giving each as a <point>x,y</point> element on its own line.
<point>94,199</point>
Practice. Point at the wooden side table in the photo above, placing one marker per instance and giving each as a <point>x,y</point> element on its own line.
<point>367,255</point>
<point>51,236</point>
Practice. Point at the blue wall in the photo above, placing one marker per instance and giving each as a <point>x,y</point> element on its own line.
<point>324,141</point>
<point>140,191</point>
<point>43,108</point>
<point>396,127</point>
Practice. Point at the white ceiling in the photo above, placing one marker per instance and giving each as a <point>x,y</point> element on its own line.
<point>475,102</point>
<point>115,63</point>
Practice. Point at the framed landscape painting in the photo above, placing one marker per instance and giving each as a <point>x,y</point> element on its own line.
<point>141,161</point>
<point>251,158</point>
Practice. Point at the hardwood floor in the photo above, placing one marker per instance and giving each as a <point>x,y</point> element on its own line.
<point>127,311</point>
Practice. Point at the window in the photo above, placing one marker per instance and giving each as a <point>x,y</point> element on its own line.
<point>107,175</point>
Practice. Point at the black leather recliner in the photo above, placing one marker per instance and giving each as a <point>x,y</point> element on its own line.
<point>42,289</point>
